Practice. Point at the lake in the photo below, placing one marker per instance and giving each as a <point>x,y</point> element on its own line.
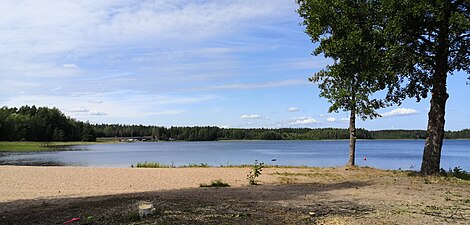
<point>385,154</point>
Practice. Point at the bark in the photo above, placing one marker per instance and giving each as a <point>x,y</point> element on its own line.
<point>439,96</point>
<point>352,130</point>
<point>352,138</point>
<point>435,131</point>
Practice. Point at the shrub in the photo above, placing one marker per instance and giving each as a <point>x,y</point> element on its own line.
<point>457,172</point>
<point>152,165</point>
<point>215,183</point>
<point>255,172</point>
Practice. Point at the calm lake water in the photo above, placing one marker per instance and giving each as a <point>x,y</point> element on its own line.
<point>385,154</point>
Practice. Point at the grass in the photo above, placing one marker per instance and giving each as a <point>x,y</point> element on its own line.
<point>205,165</point>
<point>27,146</point>
<point>457,172</point>
<point>215,183</point>
<point>269,166</point>
<point>162,165</point>
<point>152,165</point>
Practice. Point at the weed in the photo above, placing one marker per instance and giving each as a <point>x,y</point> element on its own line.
<point>152,165</point>
<point>255,172</point>
<point>196,165</point>
<point>162,165</point>
<point>287,180</point>
<point>215,183</point>
<point>457,172</point>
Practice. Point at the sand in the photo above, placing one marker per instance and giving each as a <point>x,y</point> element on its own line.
<point>344,195</point>
<point>21,183</point>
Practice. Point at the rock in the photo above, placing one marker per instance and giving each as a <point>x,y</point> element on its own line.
<point>146,209</point>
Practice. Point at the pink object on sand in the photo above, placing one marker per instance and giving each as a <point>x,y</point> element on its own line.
<point>72,220</point>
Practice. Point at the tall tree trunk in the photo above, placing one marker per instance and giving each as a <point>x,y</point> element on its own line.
<point>435,131</point>
<point>352,138</point>
<point>352,129</point>
<point>439,96</point>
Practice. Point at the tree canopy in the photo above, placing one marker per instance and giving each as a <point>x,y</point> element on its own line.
<point>352,34</point>
<point>41,124</point>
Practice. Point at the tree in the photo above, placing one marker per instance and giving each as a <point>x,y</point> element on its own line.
<point>351,33</point>
<point>428,40</point>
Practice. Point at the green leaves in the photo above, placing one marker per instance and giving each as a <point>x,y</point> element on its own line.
<point>353,34</point>
<point>424,37</point>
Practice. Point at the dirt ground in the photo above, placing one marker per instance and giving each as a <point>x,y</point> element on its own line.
<point>285,196</point>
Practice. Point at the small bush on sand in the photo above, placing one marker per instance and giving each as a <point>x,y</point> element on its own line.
<point>204,165</point>
<point>215,183</point>
<point>457,172</point>
<point>255,172</point>
<point>152,165</point>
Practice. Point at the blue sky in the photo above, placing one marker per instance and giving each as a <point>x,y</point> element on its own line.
<point>180,63</point>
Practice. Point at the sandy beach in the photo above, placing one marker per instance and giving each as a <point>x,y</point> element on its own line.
<point>20,183</point>
<point>345,195</point>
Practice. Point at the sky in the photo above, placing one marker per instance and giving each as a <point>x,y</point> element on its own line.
<point>233,63</point>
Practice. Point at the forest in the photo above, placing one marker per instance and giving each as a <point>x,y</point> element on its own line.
<point>42,124</point>
<point>31,123</point>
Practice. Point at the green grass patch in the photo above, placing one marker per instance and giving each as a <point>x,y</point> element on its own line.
<point>203,165</point>
<point>152,165</point>
<point>215,183</point>
<point>162,165</point>
<point>27,146</point>
<point>270,166</point>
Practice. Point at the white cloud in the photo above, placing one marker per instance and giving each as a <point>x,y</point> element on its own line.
<point>331,119</point>
<point>14,67</point>
<point>308,63</point>
<point>39,37</point>
<point>165,113</point>
<point>79,110</point>
<point>114,107</point>
<point>344,119</point>
<point>84,111</point>
<point>293,109</point>
<point>253,116</point>
<point>400,112</point>
<point>96,113</point>
<point>70,66</point>
<point>303,121</point>
<point>60,26</point>
<point>270,84</point>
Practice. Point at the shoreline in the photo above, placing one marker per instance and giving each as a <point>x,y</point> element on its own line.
<point>31,146</point>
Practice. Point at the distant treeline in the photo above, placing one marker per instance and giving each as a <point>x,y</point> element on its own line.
<point>216,133</point>
<point>46,124</point>
<point>42,124</point>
